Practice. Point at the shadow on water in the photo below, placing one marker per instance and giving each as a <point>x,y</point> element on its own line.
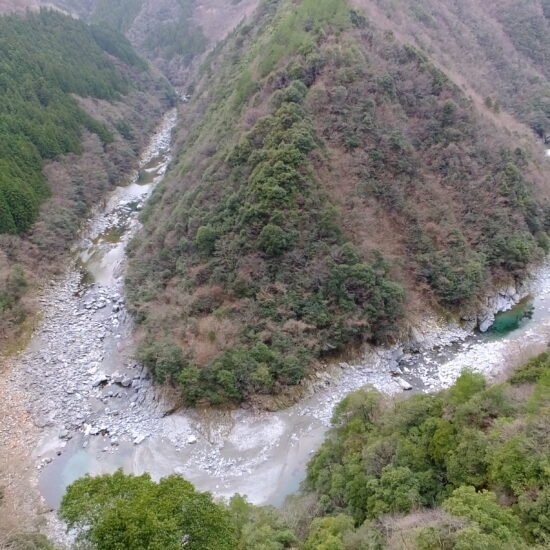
<point>507,321</point>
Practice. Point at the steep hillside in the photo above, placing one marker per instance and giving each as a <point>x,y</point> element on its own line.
<point>331,178</point>
<point>76,103</point>
<point>498,48</point>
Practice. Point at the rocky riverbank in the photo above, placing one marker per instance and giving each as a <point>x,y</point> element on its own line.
<point>77,377</point>
<point>77,402</point>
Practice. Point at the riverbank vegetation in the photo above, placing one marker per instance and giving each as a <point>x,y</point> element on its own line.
<point>329,179</point>
<point>75,101</point>
<point>462,469</point>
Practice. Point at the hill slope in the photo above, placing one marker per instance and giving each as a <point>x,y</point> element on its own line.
<point>70,90</point>
<point>499,49</point>
<point>330,179</point>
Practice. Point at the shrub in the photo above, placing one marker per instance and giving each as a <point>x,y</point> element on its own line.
<point>273,240</point>
<point>205,239</point>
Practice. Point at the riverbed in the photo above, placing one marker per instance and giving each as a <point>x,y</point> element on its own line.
<point>95,408</point>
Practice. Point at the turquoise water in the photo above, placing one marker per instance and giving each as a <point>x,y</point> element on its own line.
<point>510,320</point>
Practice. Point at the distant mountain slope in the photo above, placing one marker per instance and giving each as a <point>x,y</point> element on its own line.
<point>170,33</point>
<point>173,33</point>
<point>65,89</point>
<point>499,48</point>
<point>331,179</point>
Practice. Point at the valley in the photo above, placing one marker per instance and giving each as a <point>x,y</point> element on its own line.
<point>287,203</point>
<point>89,408</point>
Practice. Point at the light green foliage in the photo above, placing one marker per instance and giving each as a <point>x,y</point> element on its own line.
<point>296,28</point>
<point>327,533</point>
<point>468,385</point>
<point>259,528</point>
<point>492,525</point>
<point>115,512</point>
<point>458,448</point>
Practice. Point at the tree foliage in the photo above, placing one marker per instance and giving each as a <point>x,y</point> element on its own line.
<point>115,512</point>
<point>459,449</point>
<point>44,58</point>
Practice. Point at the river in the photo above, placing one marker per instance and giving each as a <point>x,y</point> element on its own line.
<point>96,410</point>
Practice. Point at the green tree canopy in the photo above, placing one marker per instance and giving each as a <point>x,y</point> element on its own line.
<point>118,511</point>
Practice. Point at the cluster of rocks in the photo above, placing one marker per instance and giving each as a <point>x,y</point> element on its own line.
<point>77,373</point>
<point>64,371</point>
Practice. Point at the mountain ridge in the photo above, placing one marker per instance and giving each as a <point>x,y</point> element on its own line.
<point>311,129</point>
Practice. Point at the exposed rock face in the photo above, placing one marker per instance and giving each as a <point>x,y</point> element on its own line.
<point>503,300</point>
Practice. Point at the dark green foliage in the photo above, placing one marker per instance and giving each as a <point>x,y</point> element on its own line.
<point>182,37</point>
<point>165,360</point>
<point>240,372</point>
<point>45,57</point>
<point>206,239</point>
<point>113,43</point>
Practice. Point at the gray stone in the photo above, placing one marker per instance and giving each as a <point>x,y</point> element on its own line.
<point>101,378</point>
<point>404,384</point>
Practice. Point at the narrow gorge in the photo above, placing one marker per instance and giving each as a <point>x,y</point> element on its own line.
<point>212,255</point>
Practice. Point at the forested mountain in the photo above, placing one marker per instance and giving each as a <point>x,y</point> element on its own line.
<point>464,469</point>
<point>48,64</point>
<point>39,119</point>
<point>330,179</point>
<point>498,48</point>
<point>169,33</point>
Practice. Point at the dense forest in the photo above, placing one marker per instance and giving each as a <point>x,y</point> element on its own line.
<point>330,178</point>
<point>39,119</point>
<point>54,72</point>
<point>463,469</point>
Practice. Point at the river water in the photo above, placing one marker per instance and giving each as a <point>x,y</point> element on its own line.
<point>98,411</point>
